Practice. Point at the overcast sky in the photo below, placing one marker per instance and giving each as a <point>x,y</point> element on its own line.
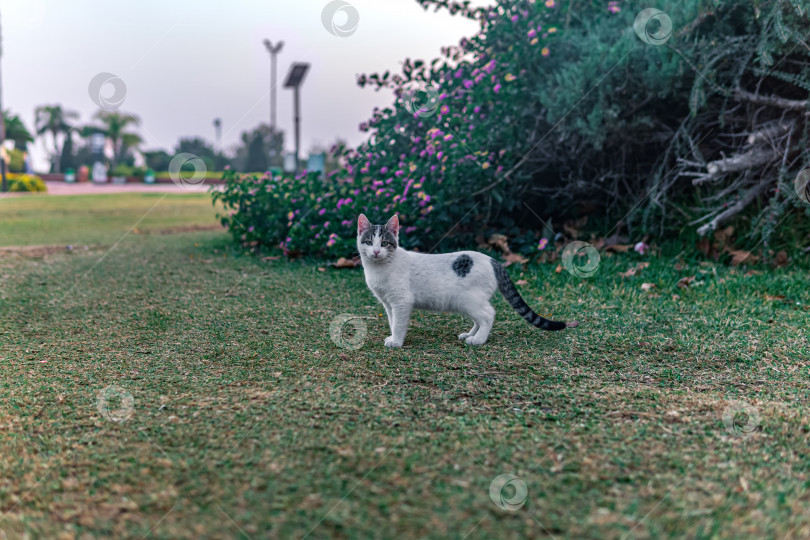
<point>186,62</point>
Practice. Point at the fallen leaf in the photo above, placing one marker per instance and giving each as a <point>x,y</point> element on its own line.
<point>321,269</point>
<point>752,273</point>
<point>776,297</point>
<point>635,270</point>
<point>499,241</point>
<point>559,268</point>
<point>724,235</point>
<point>343,262</point>
<point>684,282</point>
<point>514,258</point>
<point>271,258</point>
<point>781,259</point>
<point>740,256</point>
<point>619,248</point>
<point>647,286</point>
<point>522,282</point>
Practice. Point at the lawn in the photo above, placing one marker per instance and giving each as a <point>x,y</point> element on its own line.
<point>170,388</point>
<point>91,219</point>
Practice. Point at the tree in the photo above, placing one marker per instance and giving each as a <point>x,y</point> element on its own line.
<point>16,131</point>
<point>115,126</point>
<point>261,148</point>
<point>67,159</point>
<point>158,160</point>
<point>56,121</point>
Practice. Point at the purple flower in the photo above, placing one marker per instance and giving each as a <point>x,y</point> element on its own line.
<point>322,211</point>
<point>542,244</point>
<point>514,18</point>
<point>468,84</point>
<point>384,170</point>
<point>497,88</point>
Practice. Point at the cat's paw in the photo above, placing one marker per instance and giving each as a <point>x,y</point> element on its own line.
<point>391,342</point>
<point>464,336</point>
<point>475,340</point>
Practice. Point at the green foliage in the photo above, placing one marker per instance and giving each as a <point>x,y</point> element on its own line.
<point>16,160</point>
<point>25,182</point>
<point>558,109</point>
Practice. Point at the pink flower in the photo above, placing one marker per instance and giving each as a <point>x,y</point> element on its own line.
<point>542,244</point>
<point>532,33</point>
<point>322,211</point>
<point>497,88</point>
<point>468,84</point>
<point>641,248</point>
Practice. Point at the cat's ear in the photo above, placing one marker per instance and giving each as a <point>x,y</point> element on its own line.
<point>363,224</point>
<point>393,225</point>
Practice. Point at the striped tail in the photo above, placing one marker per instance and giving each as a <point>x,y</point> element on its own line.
<point>511,295</point>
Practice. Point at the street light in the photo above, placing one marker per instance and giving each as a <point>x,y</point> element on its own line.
<point>294,80</point>
<point>218,133</point>
<point>273,53</point>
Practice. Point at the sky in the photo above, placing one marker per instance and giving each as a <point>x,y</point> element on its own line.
<point>186,62</point>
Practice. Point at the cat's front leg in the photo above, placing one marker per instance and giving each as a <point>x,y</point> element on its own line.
<point>401,316</point>
<point>390,318</point>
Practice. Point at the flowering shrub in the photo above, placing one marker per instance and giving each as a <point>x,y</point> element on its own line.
<point>307,214</point>
<point>546,111</point>
<point>25,182</point>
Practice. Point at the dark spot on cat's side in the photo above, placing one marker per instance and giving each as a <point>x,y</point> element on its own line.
<point>462,265</point>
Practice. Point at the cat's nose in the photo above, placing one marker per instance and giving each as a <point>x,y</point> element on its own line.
<point>376,252</point>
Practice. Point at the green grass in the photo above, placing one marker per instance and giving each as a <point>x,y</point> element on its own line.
<point>93,219</point>
<point>248,421</point>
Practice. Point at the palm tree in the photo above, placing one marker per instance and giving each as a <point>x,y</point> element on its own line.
<point>115,129</point>
<point>54,120</point>
<point>16,131</point>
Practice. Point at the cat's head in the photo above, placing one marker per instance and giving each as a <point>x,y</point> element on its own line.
<point>377,243</point>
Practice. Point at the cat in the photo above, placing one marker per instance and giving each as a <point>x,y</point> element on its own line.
<point>460,282</point>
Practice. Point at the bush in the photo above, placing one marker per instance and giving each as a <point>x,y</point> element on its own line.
<point>25,182</point>
<point>16,160</point>
<point>559,110</point>
<point>307,214</point>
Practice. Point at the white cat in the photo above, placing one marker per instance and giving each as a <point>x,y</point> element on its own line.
<point>461,282</point>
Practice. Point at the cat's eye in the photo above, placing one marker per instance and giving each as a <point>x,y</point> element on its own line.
<point>368,242</point>
<point>384,244</point>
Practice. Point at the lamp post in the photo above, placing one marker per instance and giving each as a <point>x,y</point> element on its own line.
<point>218,134</point>
<point>294,80</point>
<point>273,54</point>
